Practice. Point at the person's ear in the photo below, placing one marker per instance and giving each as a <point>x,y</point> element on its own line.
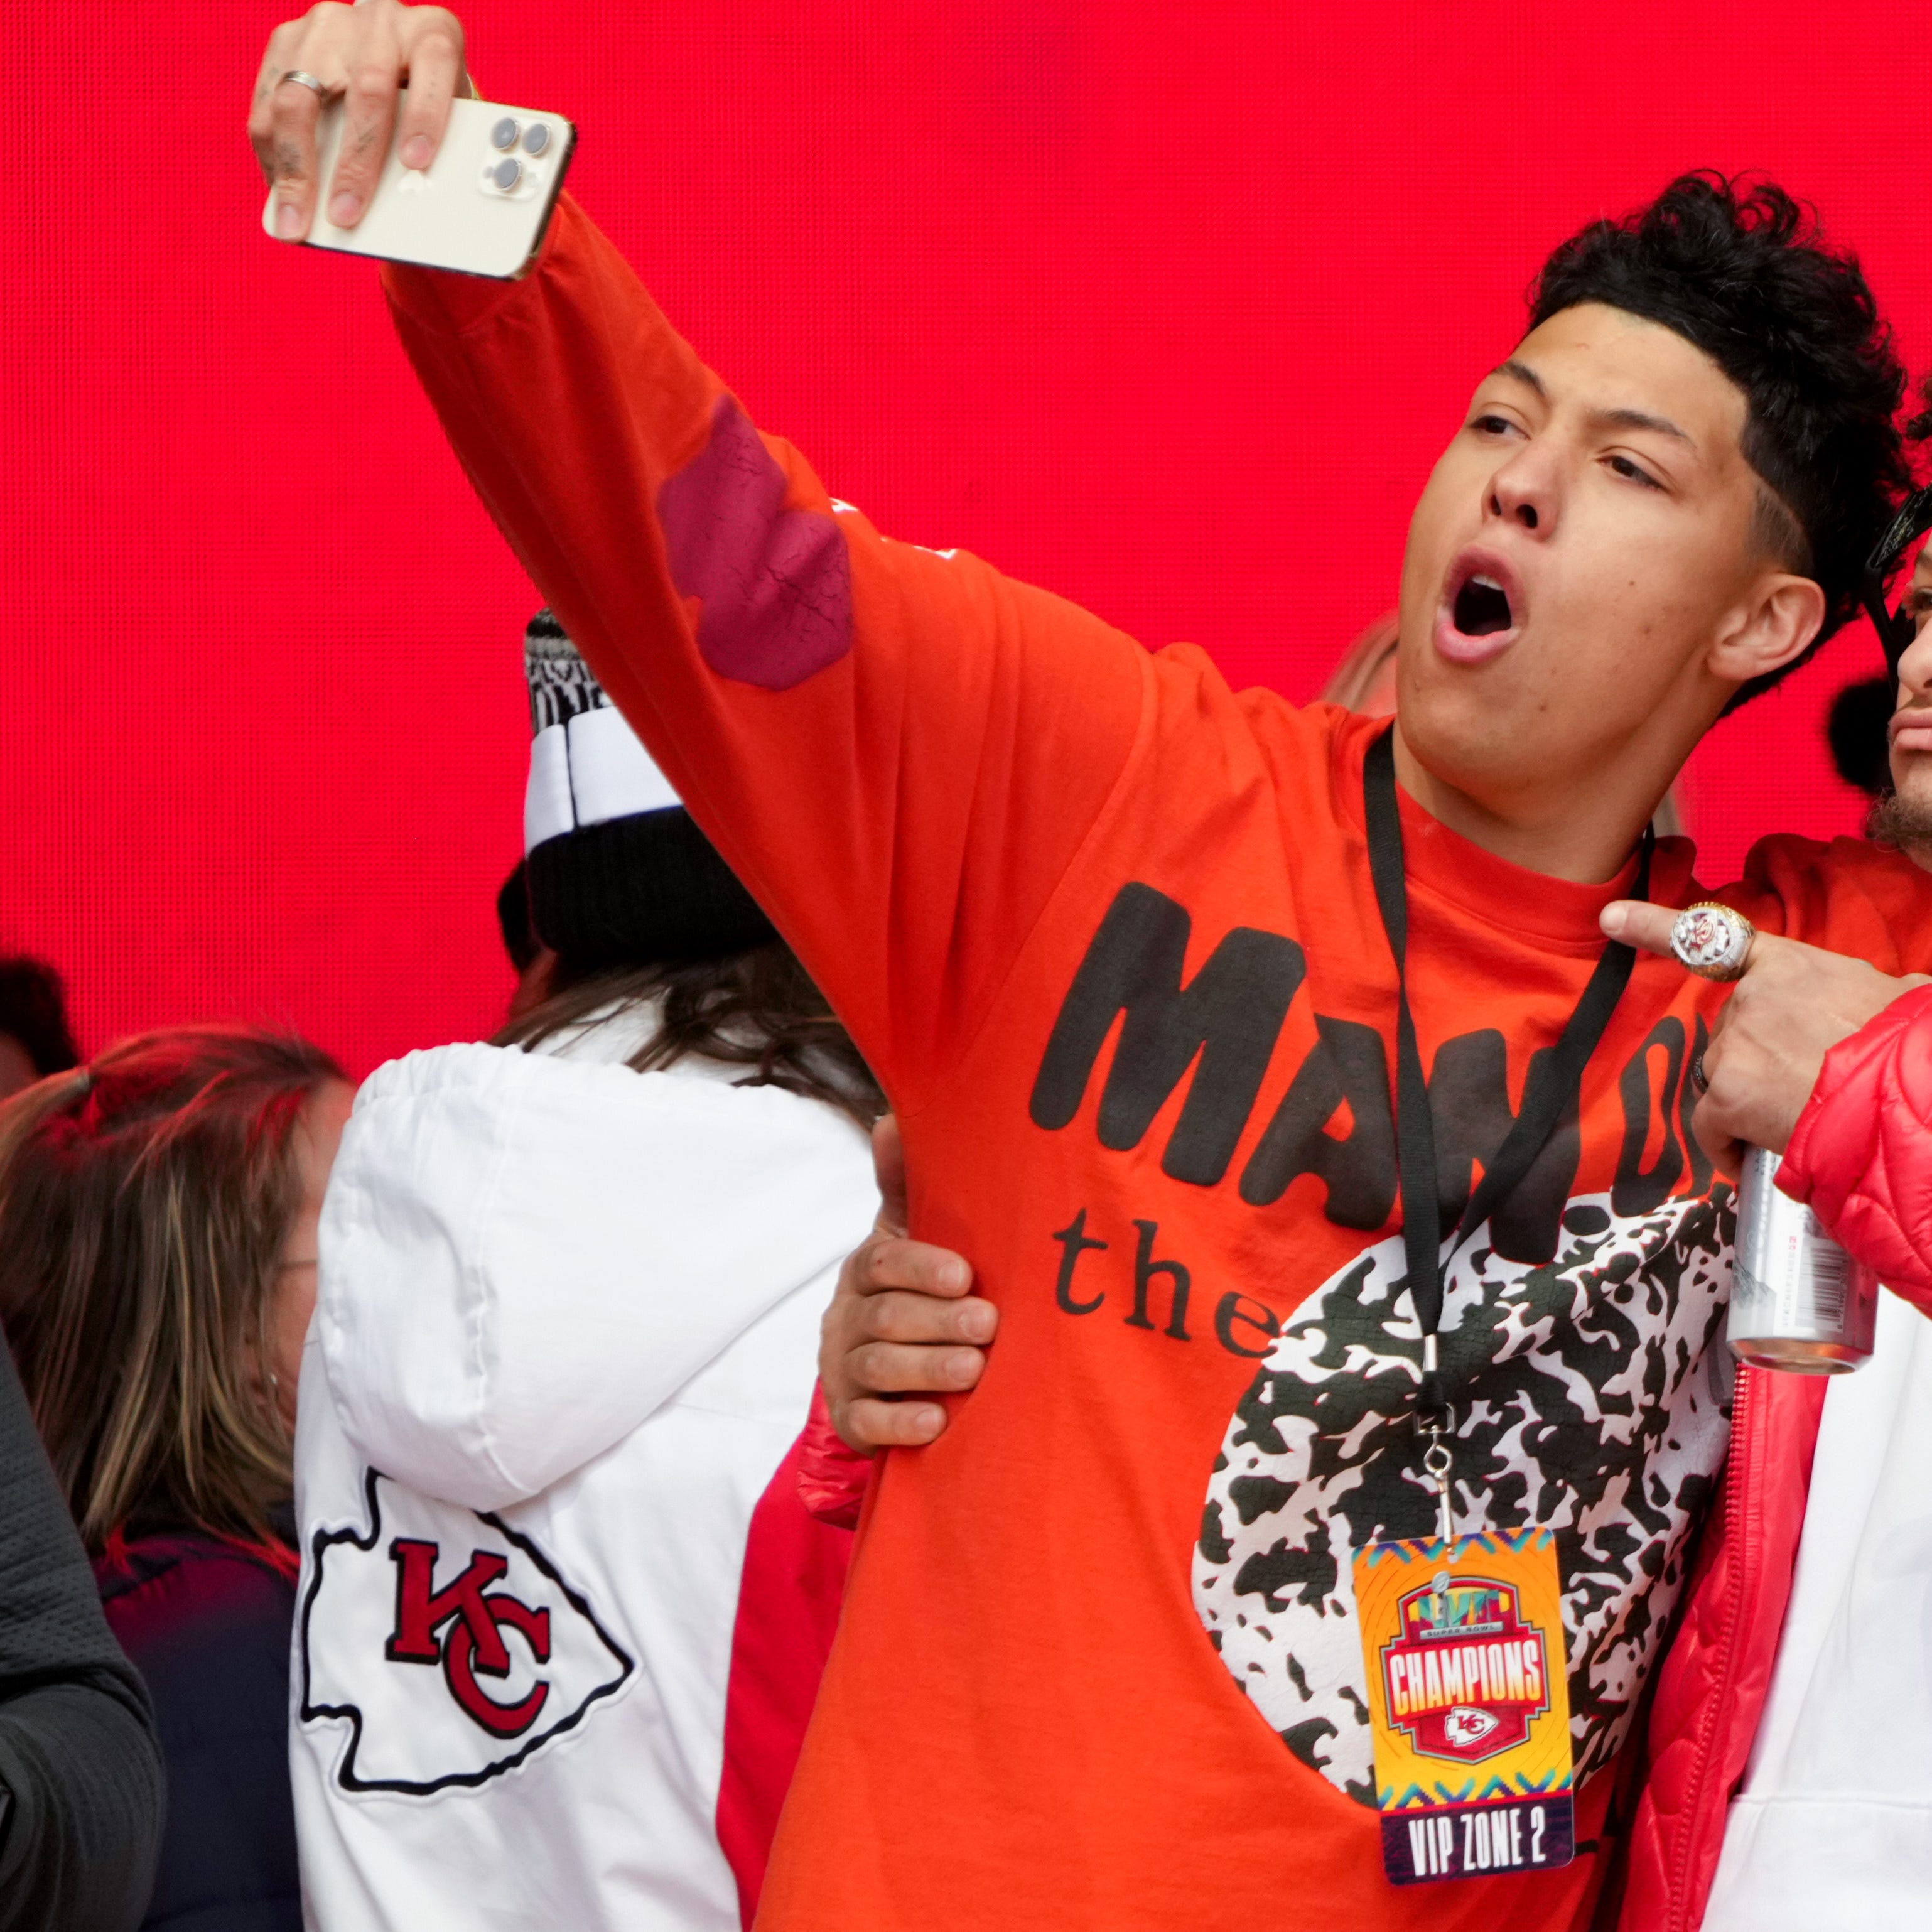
<point>1764,635</point>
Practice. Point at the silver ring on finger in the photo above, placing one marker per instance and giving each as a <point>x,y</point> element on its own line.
<point>1700,1078</point>
<point>303,78</point>
<point>1712,940</point>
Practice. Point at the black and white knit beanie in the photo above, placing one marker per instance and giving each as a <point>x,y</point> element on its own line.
<point>619,874</point>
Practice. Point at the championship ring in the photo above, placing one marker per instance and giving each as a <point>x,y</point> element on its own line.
<point>1712,940</point>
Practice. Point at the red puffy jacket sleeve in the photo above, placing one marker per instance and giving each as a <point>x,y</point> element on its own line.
<point>1861,1155</point>
<point>832,1479</point>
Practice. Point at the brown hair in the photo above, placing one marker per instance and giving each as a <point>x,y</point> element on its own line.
<point>144,1203</point>
<point>758,1009</point>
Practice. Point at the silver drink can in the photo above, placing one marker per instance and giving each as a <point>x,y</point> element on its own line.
<point>1798,1301</point>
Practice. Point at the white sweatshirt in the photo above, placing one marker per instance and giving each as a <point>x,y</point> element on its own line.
<point>1832,1827</point>
<point>566,1332</point>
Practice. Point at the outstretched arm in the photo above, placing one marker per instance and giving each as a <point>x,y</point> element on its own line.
<point>898,751</point>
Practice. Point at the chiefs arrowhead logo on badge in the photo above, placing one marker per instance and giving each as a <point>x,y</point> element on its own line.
<point>446,1643</point>
<point>1466,1726</point>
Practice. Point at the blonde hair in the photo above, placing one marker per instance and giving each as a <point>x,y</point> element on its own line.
<point>1353,677</point>
<point>144,1203</point>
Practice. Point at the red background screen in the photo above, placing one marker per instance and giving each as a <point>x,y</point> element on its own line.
<point>1168,308</point>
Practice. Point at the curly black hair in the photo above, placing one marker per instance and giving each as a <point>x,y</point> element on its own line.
<point>1919,429</point>
<point>1743,272</point>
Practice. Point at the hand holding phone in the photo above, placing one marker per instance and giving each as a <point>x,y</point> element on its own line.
<point>480,206</point>
<point>384,46</point>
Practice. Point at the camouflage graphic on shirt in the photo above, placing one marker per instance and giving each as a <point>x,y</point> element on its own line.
<point>1588,1398</point>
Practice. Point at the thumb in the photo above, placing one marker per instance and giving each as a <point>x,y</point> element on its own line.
<point>1637,923</point>
<point>889,1171</point>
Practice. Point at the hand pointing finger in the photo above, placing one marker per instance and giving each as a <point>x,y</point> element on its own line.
<point>1792,1004</point>
<point>1639,923</point>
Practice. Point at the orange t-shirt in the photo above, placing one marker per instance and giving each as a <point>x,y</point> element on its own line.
<point>1105,930</point>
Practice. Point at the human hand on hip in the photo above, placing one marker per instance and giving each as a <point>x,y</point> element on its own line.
<point>904,1322</point>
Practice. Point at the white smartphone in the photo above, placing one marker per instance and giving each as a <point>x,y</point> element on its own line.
<point>480,207</point>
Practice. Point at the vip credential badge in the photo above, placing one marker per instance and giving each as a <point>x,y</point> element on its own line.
<point>1468,1694</point>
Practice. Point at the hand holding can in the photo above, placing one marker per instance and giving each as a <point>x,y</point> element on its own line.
<point>1798,1301</point>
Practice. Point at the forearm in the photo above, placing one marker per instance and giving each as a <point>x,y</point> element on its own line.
<point>708,587</point>
<point>867,731</point>
<point>570,401</point>
<point>82,1773</point>
<point>79,1759</point>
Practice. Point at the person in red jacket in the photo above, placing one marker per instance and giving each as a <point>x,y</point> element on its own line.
<point>1134,955</point>
<point>1789,1784</point>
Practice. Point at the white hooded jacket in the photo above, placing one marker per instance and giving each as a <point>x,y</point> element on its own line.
<point>566,1333</point>
<point>1832,1827</point>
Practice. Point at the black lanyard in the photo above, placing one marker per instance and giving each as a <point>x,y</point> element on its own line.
<point>1555,1080</point>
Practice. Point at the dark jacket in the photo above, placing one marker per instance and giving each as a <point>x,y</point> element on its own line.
<point>208,1622</point>
<point>80,1775</point>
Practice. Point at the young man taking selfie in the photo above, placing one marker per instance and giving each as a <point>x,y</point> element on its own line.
<point>1123,947</point>
<point>1789,1715</point>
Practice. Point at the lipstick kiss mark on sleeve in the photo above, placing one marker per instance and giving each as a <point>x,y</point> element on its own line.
<point>775,582</point>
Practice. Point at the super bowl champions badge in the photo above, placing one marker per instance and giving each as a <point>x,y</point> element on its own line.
<point>1468,1697</point>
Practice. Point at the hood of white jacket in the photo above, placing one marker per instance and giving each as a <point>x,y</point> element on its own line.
<point>524,1256</point>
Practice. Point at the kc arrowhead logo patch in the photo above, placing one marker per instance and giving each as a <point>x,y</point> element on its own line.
<point>448,1642</point>
<point>1466,1726</point>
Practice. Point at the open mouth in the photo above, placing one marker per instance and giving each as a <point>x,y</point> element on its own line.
<point>1482,611</point>
<point>1482,608</point>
